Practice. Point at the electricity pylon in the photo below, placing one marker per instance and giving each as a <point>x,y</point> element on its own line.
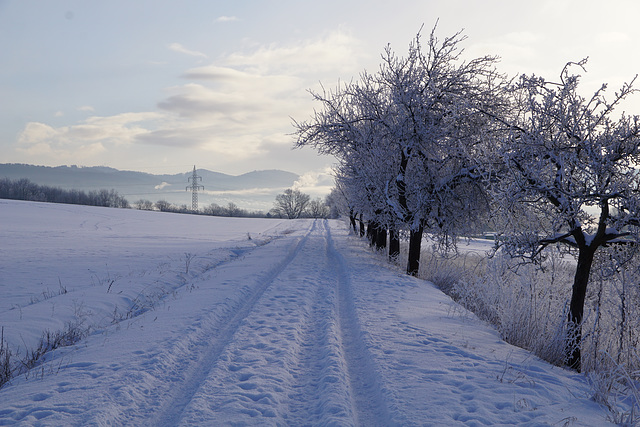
<point>194,189</point>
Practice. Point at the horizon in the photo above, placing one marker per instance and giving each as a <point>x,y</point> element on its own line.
<point>253,193</point>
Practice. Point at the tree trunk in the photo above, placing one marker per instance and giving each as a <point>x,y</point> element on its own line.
<point>415,243</point>
<point>361,226</point>
<point>401,185</point>
<point>377,235</point>
<point>381,237</point>
<point>352,218</point>
<point>372,233</point>
<point>394,244</point>
<point>576,307</point>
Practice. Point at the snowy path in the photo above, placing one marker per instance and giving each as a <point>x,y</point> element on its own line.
<point>305,328</point>
<point>289,352</point>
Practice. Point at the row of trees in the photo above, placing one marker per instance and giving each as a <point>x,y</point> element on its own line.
<point>406,139</point>
<point>24,189</point>
<point>290,204</point>
<point>435,144</point>
<point>231,210</point>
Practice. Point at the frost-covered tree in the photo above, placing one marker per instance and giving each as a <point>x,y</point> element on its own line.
<point>214,209</point>
<point>23,189</point>
<point>348,129</point>
<point>143,204</point>
<point>437,126</point>
<point>291,204</point>
<point>569,177</point>
<point>367,198</point>
<point>232,210</point>
<point>337,205</point>
<point>317,208</point>
<point>163,206</point>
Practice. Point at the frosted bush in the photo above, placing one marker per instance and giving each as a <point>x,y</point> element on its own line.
<point>527,304</point>
<point>524,302</point>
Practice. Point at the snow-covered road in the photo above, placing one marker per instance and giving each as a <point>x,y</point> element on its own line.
<point>301,325</point>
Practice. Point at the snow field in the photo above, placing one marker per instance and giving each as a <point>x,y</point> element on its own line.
<point>300,325</point>
<point>64,263</point>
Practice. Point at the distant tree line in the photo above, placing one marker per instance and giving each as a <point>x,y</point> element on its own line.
<point>24,189</point>
<point>291,204</point>
<point>231,210</point>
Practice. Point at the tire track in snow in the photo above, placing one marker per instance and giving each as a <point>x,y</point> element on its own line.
<point>172,408</point>
<point>321,388</point>
<point>369,405</point>
<point>154,294</point>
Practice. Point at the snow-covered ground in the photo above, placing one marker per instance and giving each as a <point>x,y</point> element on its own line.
<point>218,321</point>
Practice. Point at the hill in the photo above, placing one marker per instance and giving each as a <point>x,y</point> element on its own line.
<point>253,190</point>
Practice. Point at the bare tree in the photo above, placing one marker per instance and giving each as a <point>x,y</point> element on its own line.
<point>143,204</point>
<point>317,208</point>
<point>337,205</point>
<point>569,177</point>
<point>214,209</point>
<point>291,204</point>
<point>233,210</point>
<point>163,206</point>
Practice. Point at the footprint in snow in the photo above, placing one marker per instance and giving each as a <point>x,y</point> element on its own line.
<point>39,397</point>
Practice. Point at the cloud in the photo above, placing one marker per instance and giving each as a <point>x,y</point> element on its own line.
<point>162,185</point>
<point>177,47</point>
<point>86,108</point>
<point>216,73</point>
<point>226,19</point>
<point>229,111</point>
<point>317,183</point>
<point>193,100</point>
<point>241,105</point>
<point>52,151</point>
<point>230,144</point>
<point>88,138</point>
<point>36,134</point>
<point>336,52</point>
<point>233,93</point>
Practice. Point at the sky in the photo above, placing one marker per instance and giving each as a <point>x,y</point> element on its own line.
<point>160,86</point>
